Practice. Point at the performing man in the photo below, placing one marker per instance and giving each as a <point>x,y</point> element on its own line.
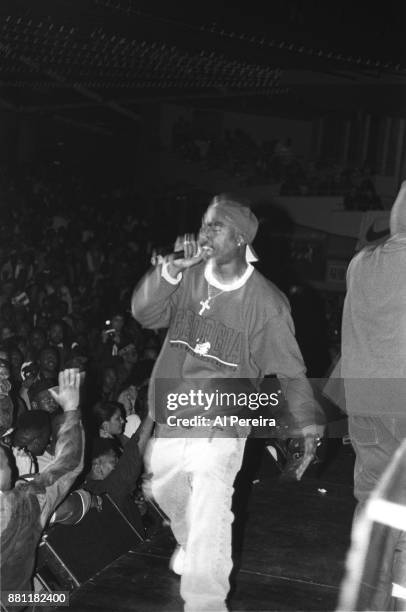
<point>226,323</point>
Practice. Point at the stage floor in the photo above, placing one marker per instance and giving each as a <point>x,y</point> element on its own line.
<point>290,546</point>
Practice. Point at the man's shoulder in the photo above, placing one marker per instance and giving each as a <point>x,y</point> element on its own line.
<point>19,505</point>
<point>268,290</point>
<point>268,300</point>
<point>369,255</point>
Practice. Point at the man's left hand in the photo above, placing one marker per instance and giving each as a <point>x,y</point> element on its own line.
<point>315,431</point>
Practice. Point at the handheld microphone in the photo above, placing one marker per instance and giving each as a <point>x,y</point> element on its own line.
<point>176,254</point>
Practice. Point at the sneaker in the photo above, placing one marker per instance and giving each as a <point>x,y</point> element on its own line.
<point>177,561</point>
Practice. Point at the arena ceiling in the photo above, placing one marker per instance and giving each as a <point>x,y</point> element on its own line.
<point>95,60</point>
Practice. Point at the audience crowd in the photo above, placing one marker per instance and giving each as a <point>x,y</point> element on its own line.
<point>274,161</point>
<point>68,265</point>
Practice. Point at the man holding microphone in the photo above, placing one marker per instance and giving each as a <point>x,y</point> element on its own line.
<point>227,325</point>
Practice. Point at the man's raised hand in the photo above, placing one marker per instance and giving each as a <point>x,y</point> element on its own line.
<point>192,253</point>
<point>68,393</point>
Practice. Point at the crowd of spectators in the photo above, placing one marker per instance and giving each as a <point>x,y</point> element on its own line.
<point>68,266</point>
<point>236,153</point>
<point>324,178</point>
<point>241,157</point>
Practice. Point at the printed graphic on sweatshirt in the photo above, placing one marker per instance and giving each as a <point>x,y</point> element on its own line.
<point>206,338</point>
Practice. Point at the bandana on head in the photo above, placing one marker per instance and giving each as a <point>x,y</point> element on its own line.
<point>241,218</point>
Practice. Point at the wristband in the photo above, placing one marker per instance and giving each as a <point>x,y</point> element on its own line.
<point>170,279</point>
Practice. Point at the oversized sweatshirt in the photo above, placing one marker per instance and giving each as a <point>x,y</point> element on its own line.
<point>25,510</point>
<point>246,333</point>
<point>373,362</point>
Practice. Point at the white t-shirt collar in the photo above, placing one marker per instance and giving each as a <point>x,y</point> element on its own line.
<point>236,284</point>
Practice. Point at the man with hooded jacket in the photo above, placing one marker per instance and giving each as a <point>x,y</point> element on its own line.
<point>373,367</point>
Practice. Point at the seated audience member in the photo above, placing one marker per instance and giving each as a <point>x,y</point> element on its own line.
<point>25,507</point>
<point>48,364</point>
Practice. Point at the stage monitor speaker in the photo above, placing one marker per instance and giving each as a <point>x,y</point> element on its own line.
<point>69,555</point>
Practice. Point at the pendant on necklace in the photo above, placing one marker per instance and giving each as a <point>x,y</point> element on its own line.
<point>205,305</point>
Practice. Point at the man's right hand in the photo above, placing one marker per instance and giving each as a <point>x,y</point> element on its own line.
<point>193,254</point>
<point>68,393</point>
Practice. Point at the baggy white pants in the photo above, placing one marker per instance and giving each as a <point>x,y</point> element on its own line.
<point>192,481</point>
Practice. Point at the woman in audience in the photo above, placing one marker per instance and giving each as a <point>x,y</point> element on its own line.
<point>109,422</point>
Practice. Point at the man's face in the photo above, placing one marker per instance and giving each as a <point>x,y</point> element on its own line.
<point>116,424</point>
<point>104,465</point>
<point>45,401</point>
<point>129,354</point>
<point>217,237</point>
<point>48,361</point>
<point>16,360</point>
<point>37,340</point>
<point>34,442</point>
<point>56,333</point>
<point>109,379</point>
